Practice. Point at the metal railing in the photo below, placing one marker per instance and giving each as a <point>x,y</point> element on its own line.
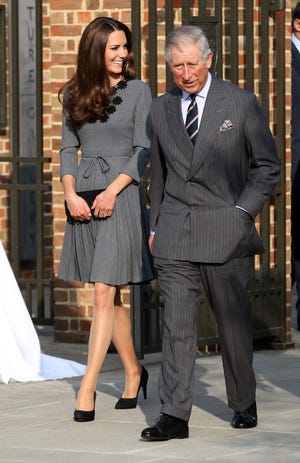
<point>27,194</point>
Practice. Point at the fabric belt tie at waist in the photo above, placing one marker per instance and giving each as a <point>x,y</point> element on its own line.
<point>104,165</point>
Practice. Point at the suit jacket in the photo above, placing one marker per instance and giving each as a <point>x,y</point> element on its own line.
<point>295,136</point>
<point>194,189</point>
<point>295,87</point>
<point>295,121</point>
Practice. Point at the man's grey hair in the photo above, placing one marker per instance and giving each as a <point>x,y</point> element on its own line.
<point>186,35</point>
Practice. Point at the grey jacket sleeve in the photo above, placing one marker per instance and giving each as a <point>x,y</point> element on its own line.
<point>69,148</point>
<point>264,165</point>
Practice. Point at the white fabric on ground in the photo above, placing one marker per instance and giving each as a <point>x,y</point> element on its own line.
<point>20,353</point>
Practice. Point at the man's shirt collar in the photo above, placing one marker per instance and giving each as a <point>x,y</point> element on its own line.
<point>203,92</point>
<point>296,42</point>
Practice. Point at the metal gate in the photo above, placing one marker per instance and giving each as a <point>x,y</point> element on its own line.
<point>223,25</point>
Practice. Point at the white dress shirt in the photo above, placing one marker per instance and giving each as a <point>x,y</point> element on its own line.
<point>296,42</point>
<point>200,99</point>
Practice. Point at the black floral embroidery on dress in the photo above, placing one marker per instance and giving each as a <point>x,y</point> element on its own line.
<point>116,100</point>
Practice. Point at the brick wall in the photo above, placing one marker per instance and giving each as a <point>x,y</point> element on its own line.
<point>65,27</point>
<point>63,23</point>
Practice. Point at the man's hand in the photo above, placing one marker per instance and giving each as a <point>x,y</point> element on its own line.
<point>151,241</point>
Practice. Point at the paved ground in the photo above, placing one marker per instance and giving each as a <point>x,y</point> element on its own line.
<point>37,427</point>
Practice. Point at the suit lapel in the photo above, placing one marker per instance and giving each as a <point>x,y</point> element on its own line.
<point>211,121</point>
<point>175,123</point>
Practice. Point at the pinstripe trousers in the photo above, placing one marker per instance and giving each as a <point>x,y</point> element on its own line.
<point>225,286</point>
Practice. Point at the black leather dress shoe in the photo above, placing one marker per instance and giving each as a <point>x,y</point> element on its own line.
<point>167,427</point>
<point>245,419</point>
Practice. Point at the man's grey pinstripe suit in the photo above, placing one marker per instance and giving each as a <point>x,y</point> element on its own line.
<point>202,240</point>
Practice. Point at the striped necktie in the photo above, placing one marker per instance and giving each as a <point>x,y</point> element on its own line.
<point>191,122</point>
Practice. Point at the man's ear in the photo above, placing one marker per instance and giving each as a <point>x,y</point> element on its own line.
<point>209,59</point>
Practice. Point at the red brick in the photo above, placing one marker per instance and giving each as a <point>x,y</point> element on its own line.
<point>66,4</point>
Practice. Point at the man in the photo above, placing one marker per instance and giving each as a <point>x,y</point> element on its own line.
<point>206,190</point>
<point>295,135</point>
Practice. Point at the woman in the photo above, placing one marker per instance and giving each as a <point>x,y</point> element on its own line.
<point>105,115</point>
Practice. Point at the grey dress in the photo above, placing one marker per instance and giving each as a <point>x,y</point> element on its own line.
<point>112,250</point>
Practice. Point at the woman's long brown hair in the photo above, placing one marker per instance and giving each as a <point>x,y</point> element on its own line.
<point>88,92</point>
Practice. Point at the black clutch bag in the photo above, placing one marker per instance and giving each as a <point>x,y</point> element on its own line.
<point>89,197</point>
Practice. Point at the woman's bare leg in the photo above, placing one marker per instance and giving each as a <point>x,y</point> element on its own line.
<point>123,342</point>
<point>99,341</point>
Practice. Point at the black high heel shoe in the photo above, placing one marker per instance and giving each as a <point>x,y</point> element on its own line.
<point>82,415</point>
<point>132,403</point>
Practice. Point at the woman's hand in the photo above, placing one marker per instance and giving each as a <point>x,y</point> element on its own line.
<point>104,204</point>
<point>78,207</point>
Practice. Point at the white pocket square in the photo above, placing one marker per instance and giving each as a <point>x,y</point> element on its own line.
<point>227,125</point>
